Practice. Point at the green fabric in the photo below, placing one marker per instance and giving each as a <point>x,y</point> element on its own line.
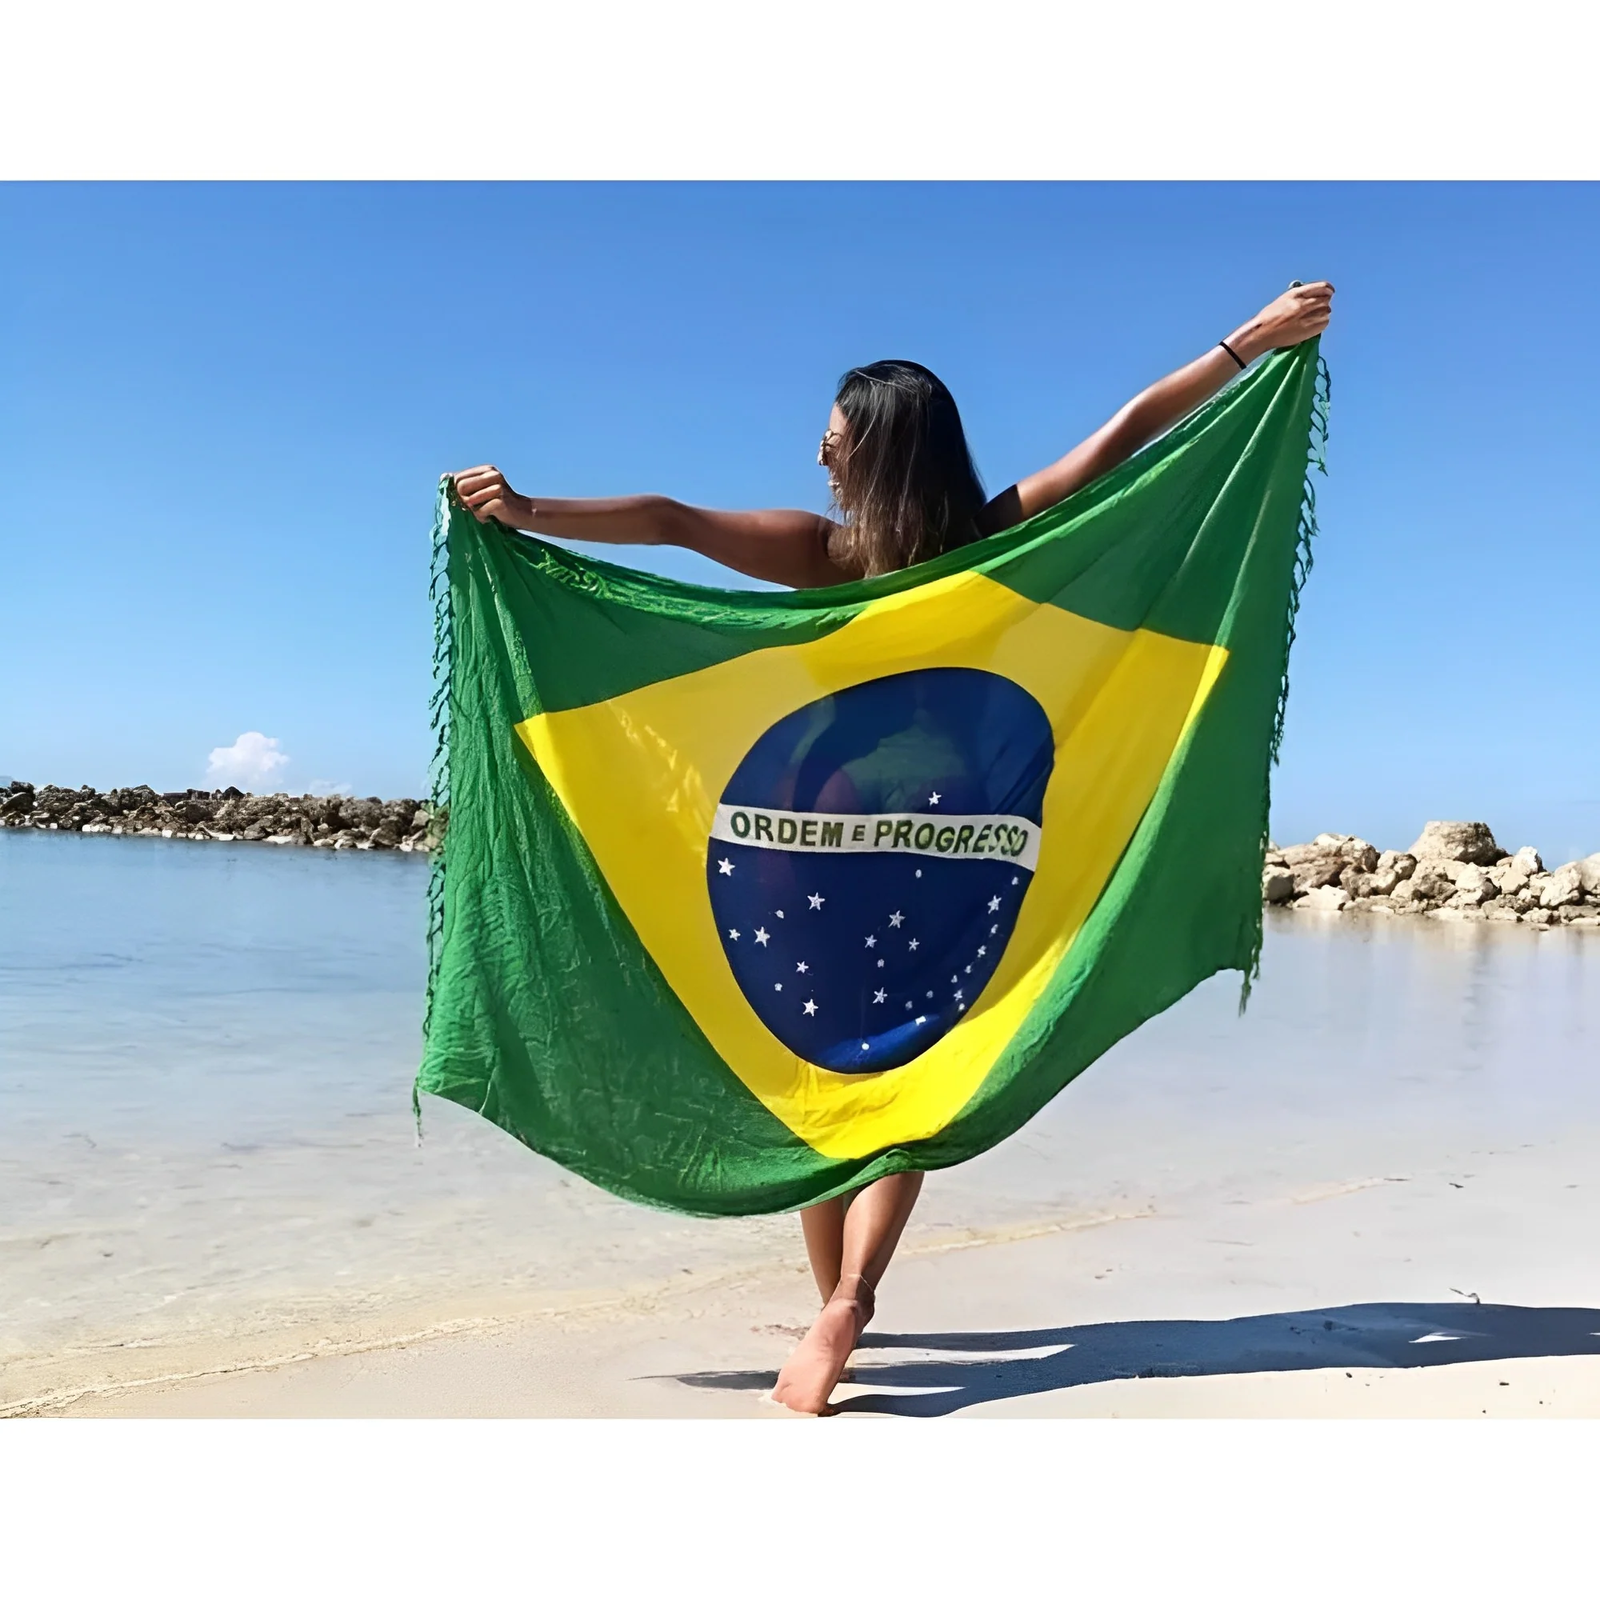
<point>548,1015</point>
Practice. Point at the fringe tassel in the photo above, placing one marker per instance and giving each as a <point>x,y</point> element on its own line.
<point>1316,460</point>
<point>439,765</point>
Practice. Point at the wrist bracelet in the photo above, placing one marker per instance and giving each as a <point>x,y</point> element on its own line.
<point>1232,352</point>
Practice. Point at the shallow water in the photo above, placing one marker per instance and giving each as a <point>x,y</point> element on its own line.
<point>205,1129</point>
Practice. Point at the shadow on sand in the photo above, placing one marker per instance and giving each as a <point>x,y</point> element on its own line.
<point>951,1371</point>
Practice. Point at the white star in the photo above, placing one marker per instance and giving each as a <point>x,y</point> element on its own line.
<point>995,929</point>
<point>930,994</point>
<point>933,799</point>
<point>816,901</point>
<point>733,933</point>
<point>954,978</point>
<point>780,914</point>
<point>983,949</point>
<point>994,904</point>
<point>880,996</point>
<point>864,1044</point>
<point>921,1020</point>
<point>908,1005</point>
<point>725,867</point>
<point>919,872</point>
<point>778,987</point>
<point>960,995</point>
<point>961,1008</point>
<point>895,919</point>
<point>912,945</point>
<point>967,970</point>
<point>880,961</point>
<point>800,966</point>
<point>762,935</point>
<point>872,939</point>
<point>1016,880</point>
<point>810,1008</point>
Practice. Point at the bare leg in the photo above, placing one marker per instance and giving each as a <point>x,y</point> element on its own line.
<point>872,1227</point>
<point>823,1226</point>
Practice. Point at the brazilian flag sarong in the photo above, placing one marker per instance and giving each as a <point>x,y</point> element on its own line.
<point>748,898</point>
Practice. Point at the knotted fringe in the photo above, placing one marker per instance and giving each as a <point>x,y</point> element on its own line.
<point>1316,460</point>
<point>439,764</point>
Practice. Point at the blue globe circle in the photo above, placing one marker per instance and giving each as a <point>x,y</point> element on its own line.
<point>860,944</point>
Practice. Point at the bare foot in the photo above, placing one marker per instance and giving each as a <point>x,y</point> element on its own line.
<point>809,1375</point>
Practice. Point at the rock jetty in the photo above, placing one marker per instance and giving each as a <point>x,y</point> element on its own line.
<point>1455,872</point>
<point>329,822</point>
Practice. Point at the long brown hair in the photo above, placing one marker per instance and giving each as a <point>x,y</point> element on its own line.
<point>907,488</point>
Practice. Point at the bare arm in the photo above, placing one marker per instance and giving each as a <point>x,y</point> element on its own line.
<point>788,547</point>
<point>1300,314</point>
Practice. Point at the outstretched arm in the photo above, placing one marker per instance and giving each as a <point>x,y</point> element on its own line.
<point>1295,316</point>
<point>788,547</point>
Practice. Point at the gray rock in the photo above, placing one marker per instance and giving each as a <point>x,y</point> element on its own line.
<point>1277,885</point>
<point>1435,866</point>
<point>1589,875</point>
<point>1295,854</point>
<point>1361,855</point>
<point>1563,887</point>
<point>1509,876</point>
<point>1473,887</point>
<point>1316,871</point>
<point>1400,862</point>
<point>1458,841</point>
<point>1431,884</point>
<point>1346,847</point>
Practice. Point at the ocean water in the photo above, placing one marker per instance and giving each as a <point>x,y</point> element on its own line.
<point>206,1138</point>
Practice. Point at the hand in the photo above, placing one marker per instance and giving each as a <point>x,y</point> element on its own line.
<point>1296,315</point>
<point>485,493</point>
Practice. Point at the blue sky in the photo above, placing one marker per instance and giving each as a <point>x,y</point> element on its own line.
<point>223,410</point>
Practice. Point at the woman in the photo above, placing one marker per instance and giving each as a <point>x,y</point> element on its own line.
<point>905,490</point>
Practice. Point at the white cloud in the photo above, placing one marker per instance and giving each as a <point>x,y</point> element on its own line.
<point>322,788</point>
<point>248,762</point>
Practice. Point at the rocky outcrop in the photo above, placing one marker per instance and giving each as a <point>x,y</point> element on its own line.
<point>1471,842</point>
<point>1455,872</point>
<point>330,822</point>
